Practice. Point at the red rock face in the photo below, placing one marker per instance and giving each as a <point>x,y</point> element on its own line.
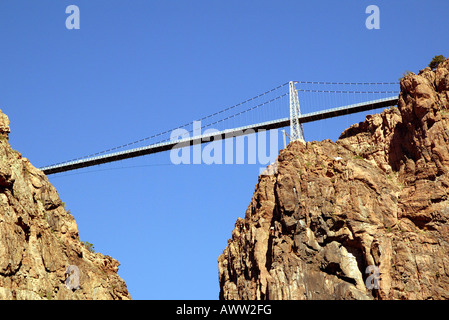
<point>39,239</point>
<point>375,200</point>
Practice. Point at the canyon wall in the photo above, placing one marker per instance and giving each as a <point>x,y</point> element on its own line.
<point>365,217</point>
<point>39,239</point>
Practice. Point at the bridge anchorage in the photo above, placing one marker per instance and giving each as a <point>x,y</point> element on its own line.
<point>266,111</point>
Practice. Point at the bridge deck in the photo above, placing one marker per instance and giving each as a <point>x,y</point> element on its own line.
<point>229,133</point>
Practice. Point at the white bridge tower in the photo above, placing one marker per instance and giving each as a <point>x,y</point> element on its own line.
<point>296,130</point>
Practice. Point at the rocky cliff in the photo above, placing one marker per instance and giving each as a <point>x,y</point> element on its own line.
<point>365,217</point>
<point>39,239</point>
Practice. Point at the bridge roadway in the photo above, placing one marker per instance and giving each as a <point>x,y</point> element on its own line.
<point>229,133</point>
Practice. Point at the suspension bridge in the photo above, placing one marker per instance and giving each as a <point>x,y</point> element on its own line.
<point>266,111</point>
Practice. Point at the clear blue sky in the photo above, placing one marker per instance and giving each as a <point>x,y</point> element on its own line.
<point>135,68</point>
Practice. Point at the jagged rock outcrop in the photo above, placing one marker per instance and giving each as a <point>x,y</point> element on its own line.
<point>39,238</point>
<point>365,217</point>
